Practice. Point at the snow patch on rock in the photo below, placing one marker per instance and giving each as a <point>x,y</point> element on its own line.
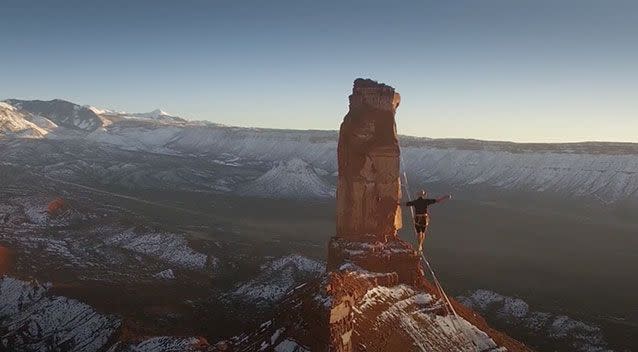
<point>62,248</point>
<point>167,247</point>
<point>32,321</point>
<point>414,313</point>
<point>165,275</point>
<point>164,344</point>
<point>277,277</point>
<point>34,208</point>
<point>299,262</point>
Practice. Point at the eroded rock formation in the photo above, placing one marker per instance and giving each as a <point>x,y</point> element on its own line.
<point>375,296</point>
<point>380,299</point>
<point>369,187</point>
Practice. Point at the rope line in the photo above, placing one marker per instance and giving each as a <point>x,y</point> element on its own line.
<point>449,308</point>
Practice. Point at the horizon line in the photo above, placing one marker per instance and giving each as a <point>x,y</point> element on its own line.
<point>451,138</point>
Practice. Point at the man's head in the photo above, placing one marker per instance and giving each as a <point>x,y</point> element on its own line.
<point>422,193</point>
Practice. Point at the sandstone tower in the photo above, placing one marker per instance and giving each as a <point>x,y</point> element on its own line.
<point>369,178</point>
<point>375,296</point>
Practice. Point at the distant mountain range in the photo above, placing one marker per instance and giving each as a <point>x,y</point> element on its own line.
<point>59,116</point>
<point>603,172</point>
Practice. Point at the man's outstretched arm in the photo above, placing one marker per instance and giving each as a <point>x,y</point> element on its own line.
<point>444,198</point>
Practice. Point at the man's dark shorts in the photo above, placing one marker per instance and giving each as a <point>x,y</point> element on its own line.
<point>421,222</point>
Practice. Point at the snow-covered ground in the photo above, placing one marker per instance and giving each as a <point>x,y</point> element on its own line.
<point>33,208</point>
<point>289,179</point>
<point>601,176</point>
<point>167,247</point>
<point>598,171</point>
<point>517,313</point>
<point>162,344</point>
<point>413,313</point>
<point>108,252</point>
<point>31,320</point>
<point>277,277</point>
<point>607,172</point>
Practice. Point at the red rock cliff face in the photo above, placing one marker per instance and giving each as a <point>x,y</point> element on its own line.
<point>379,297</point>
<point>368,187</point>
<point>375,296</point>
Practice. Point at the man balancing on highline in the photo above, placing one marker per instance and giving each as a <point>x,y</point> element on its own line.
<point>421,217</point>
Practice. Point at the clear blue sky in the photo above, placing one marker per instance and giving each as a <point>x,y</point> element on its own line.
<point>506,70</point>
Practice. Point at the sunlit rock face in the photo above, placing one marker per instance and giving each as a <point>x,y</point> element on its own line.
<point>368,152</point>
<point>375,296</point>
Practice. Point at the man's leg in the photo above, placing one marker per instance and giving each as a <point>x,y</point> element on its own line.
<point>424,232</point>
<point>421,238</point>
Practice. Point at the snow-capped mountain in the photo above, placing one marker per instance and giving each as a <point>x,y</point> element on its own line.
<point>61,113</point>
<point>157,115</point>
<point>603,172</point>
<point>13,123</point>
<point>56,118</point>
<point>289,179</point>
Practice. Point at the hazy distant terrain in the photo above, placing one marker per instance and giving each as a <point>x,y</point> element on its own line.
<point>189,217</point>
